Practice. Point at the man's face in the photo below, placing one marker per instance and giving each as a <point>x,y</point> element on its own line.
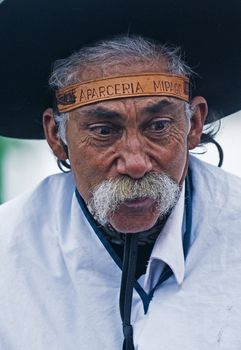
<point>131,137</point>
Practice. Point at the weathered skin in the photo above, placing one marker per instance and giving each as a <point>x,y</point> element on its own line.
<point>131,136</point>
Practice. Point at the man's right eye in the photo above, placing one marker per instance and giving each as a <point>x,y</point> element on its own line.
<point>103,130</point>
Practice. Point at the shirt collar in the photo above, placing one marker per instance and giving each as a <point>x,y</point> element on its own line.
<point>168,248</point>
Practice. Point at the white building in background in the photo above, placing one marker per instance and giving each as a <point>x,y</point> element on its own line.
<point>25,166</point>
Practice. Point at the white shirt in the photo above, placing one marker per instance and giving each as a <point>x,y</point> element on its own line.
<point>168,248</point>
<point>59,286</point>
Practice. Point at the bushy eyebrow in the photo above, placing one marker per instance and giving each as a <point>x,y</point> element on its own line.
<point>102,112</point>
<point>158,107</point>
<point>98,112</point>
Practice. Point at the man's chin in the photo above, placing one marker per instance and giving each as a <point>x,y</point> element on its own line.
<point>133,221</point>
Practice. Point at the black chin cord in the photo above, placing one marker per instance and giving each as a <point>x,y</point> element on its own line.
<point>127,285</point>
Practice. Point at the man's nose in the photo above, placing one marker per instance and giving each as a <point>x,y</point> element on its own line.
<point>133,159</point>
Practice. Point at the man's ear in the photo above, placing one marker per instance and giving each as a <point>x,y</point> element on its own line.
<point>51,135</point>
<point>200,110</point>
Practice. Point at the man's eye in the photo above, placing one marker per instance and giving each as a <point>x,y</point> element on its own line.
<point>159,125</point>
<point>103,130</point>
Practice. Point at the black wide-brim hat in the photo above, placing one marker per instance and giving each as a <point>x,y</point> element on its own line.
<point>34,33</point>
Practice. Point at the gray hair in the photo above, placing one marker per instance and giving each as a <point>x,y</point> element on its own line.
<point>128,50</point>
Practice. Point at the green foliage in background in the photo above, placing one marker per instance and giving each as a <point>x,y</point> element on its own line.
<point>6,145</point>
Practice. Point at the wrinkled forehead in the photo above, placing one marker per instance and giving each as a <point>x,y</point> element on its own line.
<point>141,107</point>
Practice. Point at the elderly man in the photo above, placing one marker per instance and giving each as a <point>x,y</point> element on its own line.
<point>140,241</point>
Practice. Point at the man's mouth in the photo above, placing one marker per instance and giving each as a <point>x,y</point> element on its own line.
<point>138,202</point>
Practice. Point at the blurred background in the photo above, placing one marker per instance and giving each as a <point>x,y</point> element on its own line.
<point>24,163</point>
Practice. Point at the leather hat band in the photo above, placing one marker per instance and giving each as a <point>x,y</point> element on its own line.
<point>145,84</point>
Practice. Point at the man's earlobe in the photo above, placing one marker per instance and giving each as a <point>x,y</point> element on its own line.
<point>51,134</point>
<point>200,111</point>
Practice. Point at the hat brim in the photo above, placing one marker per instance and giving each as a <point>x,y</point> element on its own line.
<point>33,34</point>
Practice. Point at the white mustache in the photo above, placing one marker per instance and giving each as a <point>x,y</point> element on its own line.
<point>110,194</point>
